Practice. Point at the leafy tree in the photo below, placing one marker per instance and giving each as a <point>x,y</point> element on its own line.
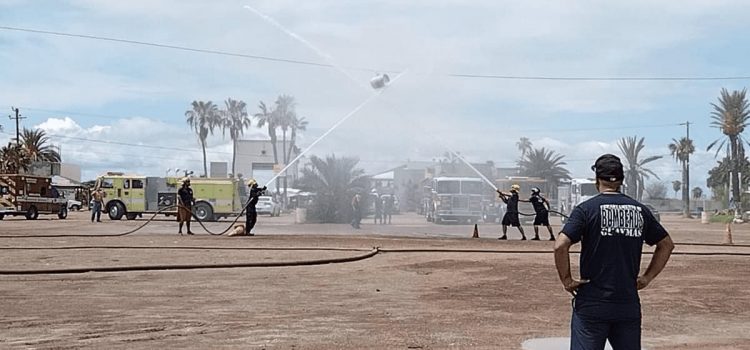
<point>203,118</point>
<point>719,177</point>
<point>697,192</point>
<point>731,116</point>
<point>235,120</point>
<point>35,143</point>
<point>636,172</point>
<point>656,190</point>
<point>681,151</point>
<point>297,124</point>
<point>334,181</point>
<point>14,159</point>
<point>547,165</point>
<point>676,186</point>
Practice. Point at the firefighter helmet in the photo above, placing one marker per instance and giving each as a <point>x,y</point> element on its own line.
<point>515,187</point>
<point>251,182</point>
<point>185,180</point>
<point>535,190</point>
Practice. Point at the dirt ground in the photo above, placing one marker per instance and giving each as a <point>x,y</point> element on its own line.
<point>493,299</point>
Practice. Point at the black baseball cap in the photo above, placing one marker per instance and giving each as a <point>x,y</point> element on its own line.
<point>609,168</point>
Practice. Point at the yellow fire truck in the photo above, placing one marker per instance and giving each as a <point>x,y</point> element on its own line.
<point>134,195</point>
<point>30,195</point>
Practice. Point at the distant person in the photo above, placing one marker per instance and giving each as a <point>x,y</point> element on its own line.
<point>251,214</point>
<point>388,207</point>
<point>97,196</point>
<point>378,209</point>
<point>612,228</point>
<point>356,211</point>
<point>185,205</point>
<point>541,208</point>
<point>511,212</point>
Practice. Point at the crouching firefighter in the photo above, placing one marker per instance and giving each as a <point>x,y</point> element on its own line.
<point>251,214</point>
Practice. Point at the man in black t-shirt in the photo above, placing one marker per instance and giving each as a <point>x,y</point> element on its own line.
<point>612,228</point>
<point>541,208</point>
<point>511,212</point>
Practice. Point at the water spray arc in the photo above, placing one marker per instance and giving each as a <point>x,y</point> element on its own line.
<point>331,129</point>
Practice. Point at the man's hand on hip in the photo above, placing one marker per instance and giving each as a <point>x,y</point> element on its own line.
<point>573,285</point>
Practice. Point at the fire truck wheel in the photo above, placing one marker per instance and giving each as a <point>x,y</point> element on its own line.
<point>131,216</point>
<point>63,213</point>
<point>2,216</point>
<point>203,211</point>
<point>32,213</point>
<point>116,211</point>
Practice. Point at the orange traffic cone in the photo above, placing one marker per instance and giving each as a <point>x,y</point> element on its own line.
<point>728,235</point>
<point>476,232</point>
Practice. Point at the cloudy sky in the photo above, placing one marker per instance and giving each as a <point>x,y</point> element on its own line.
<point>111,105</point>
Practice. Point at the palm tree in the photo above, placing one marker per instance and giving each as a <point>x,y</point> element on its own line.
<point>297,124</point>
<point>636,173</point>
<point>14,159</point>
<point>546,165</point>
<point>334,181</point>
<point>731,115</point>
<point>35,143</point>
<point>719,178</point>
<point>697,192</point>
<point>681,151</point>
<point>268,118</point>
<point>285,113</point>
<point>236,120</point>
<point>203,118</point>
<point>676,186</point>
<point>524,145</point>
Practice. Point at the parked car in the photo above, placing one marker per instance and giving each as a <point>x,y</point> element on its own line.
<point>654,212</point>
<point>266,205</point>
<point>74,205</point>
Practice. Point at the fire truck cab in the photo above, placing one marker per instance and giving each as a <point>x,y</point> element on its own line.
<point>29,196</point>
<point>455,199</point>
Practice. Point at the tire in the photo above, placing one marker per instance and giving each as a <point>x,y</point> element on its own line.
<point>116,211</point>
<point>2,216</point>
<point>32,213</point>
<point>131,216</point>
<point>203,211</point>
<point>63,213</point>
<point>75,207</point>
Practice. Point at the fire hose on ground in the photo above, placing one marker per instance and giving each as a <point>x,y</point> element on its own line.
<point>368,254</point>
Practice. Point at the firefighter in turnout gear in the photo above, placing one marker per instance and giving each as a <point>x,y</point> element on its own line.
<point>541,208</point>
<point>511,213</point>
<point>251,214</point>
<point>185,205</point>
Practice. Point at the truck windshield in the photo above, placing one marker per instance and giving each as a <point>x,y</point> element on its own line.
<point>449,187</point>
<point>588,190</point>
<point>471,187</point>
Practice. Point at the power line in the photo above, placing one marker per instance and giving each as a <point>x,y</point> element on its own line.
<point>181,48</point>
<point>326,65</point>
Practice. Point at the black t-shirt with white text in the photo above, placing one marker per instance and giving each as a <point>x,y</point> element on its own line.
<point>612,228</point>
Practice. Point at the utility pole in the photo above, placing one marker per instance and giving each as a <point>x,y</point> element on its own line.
<point>17,118</point>
<point>686,188</point>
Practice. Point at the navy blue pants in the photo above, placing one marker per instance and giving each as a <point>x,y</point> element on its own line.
<point>593,323</point>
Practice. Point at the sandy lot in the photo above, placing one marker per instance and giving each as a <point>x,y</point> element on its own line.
<point>491,295</point>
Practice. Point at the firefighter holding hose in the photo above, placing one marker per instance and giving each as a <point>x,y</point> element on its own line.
<point>541,208</point>
<point>511,213</point>
<point>251,214</point>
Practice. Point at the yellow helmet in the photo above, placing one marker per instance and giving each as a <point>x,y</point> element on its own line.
<point>251,182</point>
<point>515,187</point>
<point>185,180</point>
